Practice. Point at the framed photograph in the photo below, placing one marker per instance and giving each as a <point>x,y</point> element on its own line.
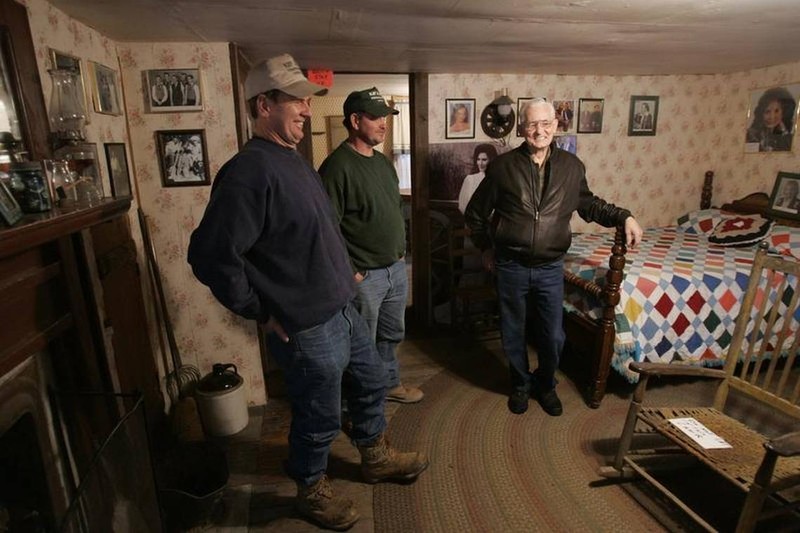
<point>567,142</point>
<point>460,118</point>
<point>183,157</point>
<point>336,131</point>
<point>60,60</point>
<point>169,90</point>
<point>105,89</point>
<point>565,114</point>
<point>772,119</point>
<point>590,115</point>
<point>643,115</point>
<point>785,197</point>
<point>10,211</point>
<point>117,162</point>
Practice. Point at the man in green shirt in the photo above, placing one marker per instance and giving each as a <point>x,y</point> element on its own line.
<point>363,187</point>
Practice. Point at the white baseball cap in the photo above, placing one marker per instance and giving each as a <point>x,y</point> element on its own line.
<point>283,73</point>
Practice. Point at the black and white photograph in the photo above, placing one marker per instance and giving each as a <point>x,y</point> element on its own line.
<point>771,119</point>
<point>62,61</point>
<point>643,115</point>
<point>105,90</point>
<point>786,195</point>
<point>10,211</point>
<point>170,90</point>
<point>183,157</point>
<point>117,162</point>
<point>590,115</point>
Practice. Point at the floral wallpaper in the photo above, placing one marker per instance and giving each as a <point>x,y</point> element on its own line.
<point>701,126</point>
<point>206,333</point>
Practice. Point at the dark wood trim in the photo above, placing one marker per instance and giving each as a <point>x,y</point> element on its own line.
<point>420,186</point>
<point>25,78</point>
<point>37,229</point>
<point>239,68</point>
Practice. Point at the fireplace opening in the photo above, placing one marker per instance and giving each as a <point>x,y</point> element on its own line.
<point>24,497</point>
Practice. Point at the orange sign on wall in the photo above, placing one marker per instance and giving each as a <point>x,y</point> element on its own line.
<point>322,77</point>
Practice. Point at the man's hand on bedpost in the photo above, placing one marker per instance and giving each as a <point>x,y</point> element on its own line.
<point>633,232</point>
<point>487,257</point>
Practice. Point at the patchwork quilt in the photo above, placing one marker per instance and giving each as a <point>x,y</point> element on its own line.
<point>679,298</point>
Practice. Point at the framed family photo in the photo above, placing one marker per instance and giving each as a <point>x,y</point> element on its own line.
<point>105,89</point>
<point>183,157</point>
<point>10,211</point>
<point>565,115</point>
<point>169,90</point>
<point>119,176</point>
<point>785,197</point>
<point>772,119</point>
<point>643,115</point>
<point>460,118</point>
<point>60,60</point>
<point>590,115</point>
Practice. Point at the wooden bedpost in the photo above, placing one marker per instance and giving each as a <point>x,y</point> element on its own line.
<point>610,297</point>
<point>708,189</point>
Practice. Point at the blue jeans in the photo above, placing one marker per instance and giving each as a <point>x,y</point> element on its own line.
<point>545,285</point>
<point>314,362</point>
<point>381,299</point>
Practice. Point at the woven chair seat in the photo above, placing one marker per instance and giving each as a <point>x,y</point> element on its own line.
<point>740,462</point>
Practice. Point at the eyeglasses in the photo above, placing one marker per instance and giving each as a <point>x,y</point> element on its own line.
<point>531,126</point>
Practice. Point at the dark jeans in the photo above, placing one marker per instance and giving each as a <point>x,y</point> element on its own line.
<point>545,286</point>
<point>381,299</point>
<point>314,362</point>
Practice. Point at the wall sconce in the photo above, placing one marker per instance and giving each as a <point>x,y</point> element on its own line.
<point>498,118</point>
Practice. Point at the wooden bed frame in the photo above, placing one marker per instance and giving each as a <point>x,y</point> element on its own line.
<point>596,337</point>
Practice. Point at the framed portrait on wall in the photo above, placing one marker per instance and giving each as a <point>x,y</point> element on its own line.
<point>459,118</point>
<point>590,115</point>
<point>105,89</point>
<point>117,162</point>
<point>183,157</point>
<point>565,115</point>
<point>643,115</point>
<point>336,132</point>
<point>60,60</point>
<point>785,197</point>
<point>772,119</point>
<point>568,143</point>
<point>169,90</point>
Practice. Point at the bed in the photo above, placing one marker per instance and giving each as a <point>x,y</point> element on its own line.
<point>675,298</point>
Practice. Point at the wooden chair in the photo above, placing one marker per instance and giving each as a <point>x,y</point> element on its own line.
<point>761,467</point>
<point>473,297</point>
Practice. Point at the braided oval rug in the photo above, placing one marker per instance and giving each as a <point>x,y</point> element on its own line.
<point>494,471</point>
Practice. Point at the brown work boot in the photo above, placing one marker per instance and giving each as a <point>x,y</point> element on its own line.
<point>318,503</point>
<point>381,462</point>
<point>403,394</point>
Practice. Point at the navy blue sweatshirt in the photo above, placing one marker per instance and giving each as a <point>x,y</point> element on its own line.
<point>269,243</point>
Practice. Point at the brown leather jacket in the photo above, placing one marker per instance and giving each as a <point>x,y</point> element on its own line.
<point>506,212</point>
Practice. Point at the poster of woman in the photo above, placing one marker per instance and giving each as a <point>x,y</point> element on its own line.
<point>771,119</point>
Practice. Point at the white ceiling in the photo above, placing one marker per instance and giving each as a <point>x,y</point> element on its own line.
<point>472,36</point>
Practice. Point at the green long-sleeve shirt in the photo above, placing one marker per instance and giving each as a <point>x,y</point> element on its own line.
<point>366,197</point>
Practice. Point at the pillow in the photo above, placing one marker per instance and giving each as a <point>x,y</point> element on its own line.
<point>740,230</point>
<point>785,240</point>
<point>702,221</point>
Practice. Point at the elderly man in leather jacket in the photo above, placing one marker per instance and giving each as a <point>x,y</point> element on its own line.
<point>519,217</point>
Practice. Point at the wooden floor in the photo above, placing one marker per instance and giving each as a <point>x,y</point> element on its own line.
<point>259,495</point>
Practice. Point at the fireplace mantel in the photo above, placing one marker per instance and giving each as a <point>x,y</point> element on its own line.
<point>70,287</point>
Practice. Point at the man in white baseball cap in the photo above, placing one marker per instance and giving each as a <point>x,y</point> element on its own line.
<point>270,249</point>
<point>282,73</point>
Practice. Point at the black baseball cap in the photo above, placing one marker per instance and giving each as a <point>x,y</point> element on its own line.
<point>369,101</point>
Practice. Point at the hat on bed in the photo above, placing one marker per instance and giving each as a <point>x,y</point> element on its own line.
<point>283,73</point>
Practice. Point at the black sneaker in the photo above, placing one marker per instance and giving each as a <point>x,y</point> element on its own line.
<point>549,401</point>
<point>518,402</point>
